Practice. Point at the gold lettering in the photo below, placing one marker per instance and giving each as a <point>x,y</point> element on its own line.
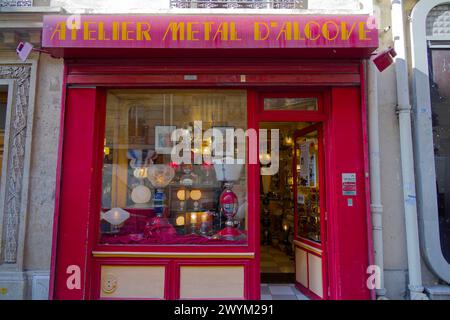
<point>326,30</point>
<point>60,30</point>
<point>74,29</point>
<point>363,31</point>
<point>192,32</point>
<point>115,31</point>
<point>177,30</point>
<point>345,33</point>
<point>126,34</point>
<point>233,32</point>
<point>207,27</point>
<point>286,30</point>
<point>257,33</point>
<point>142,34</point>
<point>297,34</point>
<point>88,34</point>
<point>101,31</point>
<point>308,31</point>
<point>222,30</point>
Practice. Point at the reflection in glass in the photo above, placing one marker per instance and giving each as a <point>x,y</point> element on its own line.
<point>308,187</point>
<point>297,104</point>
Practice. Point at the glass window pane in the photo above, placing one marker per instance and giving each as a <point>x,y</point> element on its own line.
<point>308,186</point>
<point>440,99</point>
<point>298,104</point>
<point>152,197</point>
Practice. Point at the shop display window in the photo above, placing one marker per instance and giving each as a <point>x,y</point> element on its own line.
<point>151,196</point>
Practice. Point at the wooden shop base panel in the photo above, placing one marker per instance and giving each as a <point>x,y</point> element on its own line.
<point>212,282</point>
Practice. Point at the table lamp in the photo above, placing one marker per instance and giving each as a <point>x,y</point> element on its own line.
<point>182,196</point>
<point>196,195</point>
<point>140,161</point>
<point>115,216</point>
<point>160,175</point>
<point>228,172</point>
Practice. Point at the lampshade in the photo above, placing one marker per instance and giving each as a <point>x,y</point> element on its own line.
<point>141,194</point>
<point>180,221</point>
<point>288,141</point>
<point>183,194</point>
<point>265,158</point>
<point>193,218</point>
<point>205,217</point>
<point>160,175</point>
<point>196,194</point>
<point>227,172</point>
<point>116,216</point>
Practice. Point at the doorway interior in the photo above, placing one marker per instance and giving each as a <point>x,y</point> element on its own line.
<point>283,219</point>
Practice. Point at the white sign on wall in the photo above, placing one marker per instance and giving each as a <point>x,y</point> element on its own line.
<point>349,184</point>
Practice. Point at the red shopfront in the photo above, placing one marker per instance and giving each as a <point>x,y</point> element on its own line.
<point>129,81</point>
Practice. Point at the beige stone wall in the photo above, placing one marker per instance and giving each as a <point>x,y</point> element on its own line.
<point>32,279</point>
<point>395,258</point>
<point>44,155</point>
<point>395,262</point>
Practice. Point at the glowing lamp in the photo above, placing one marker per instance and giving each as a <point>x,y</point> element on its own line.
<point>193,220</point>
<point>265,158</point>
<point>116,216</point>
<point>183,195</point>
<point>288,141</point>
<point>160,175</point>
<point>180,221</point>
<point>196,195</point>
<point>206,224</point>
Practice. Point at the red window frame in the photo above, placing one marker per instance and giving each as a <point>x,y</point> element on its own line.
<point>249,247</point>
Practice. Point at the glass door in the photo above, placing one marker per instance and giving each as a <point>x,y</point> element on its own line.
<point>309,210</point>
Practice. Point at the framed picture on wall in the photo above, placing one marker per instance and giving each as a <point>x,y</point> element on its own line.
<point>163,142</point>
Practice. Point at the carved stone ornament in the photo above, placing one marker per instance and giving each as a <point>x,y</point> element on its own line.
<point>21,74</point>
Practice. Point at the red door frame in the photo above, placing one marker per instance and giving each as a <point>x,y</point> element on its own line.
<point>109,75</point>
<point>320,118</point>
